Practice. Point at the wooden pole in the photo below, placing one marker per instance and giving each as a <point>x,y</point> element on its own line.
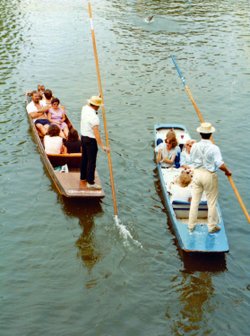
<point>103,109</point>
<point>231,181</point>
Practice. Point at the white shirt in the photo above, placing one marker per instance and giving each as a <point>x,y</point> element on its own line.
<point>185,159</point>
<point>204,154</point>
<point>53,144</point>
<point>31,107</point>
<point>166,154</point>
<point>180,193</point>
<point>89,119</point>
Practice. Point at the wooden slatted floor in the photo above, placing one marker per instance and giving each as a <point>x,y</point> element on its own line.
<point>73,187</point>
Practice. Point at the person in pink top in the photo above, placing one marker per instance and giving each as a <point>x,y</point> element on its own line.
<point>56,115</point>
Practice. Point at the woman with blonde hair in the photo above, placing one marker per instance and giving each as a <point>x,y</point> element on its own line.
<point>186,161</point>
<point>180,189</point>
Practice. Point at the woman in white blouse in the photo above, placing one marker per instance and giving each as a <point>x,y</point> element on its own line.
<point>53,143</point>
<point>166,152</point>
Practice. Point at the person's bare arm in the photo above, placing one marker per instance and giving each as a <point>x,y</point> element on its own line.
<point>158,157</point>
<point>170,160</point>
<point>98,139</point>
<point>225,170</point>
<point>38,113</point>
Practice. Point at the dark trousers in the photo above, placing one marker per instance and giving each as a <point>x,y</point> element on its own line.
<point>89,154</point>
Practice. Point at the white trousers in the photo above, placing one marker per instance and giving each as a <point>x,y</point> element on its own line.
<point>203,180</point>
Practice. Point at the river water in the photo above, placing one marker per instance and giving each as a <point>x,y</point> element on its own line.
<point>66,267</point>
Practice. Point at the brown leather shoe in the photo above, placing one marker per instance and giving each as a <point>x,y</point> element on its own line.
<point>214,229</point>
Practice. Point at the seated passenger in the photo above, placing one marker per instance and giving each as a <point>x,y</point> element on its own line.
<point>56,115</point>
<point>73,144</point>
<point>53,143</point>
<point>37,111</point>
<point>47,97</point>
<point>180,189</point>
<point>185,155</point>
<point>167,152</point>
<point>40,89</point>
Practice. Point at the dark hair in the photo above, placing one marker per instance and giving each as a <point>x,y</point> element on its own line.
<point>32,93</point>
<point>205,136</point>
<point>55,100</point>
<point>53,130</point>
<point>73,135</point>
<point>48,94</point>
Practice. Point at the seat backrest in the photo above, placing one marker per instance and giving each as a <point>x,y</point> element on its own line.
<point>158,141</point>
<point>182,209</point>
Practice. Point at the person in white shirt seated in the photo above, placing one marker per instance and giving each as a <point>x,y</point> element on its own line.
<point>53,143</point>
<point>185,161</point>
<point>180,189</point>
<point>47,97</point>
<point>37,110</point>
<point>167,151</point>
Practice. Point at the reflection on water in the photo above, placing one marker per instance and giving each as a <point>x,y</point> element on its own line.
<point>86,210</point>
<point>195,288</point>
<point>195,292</point>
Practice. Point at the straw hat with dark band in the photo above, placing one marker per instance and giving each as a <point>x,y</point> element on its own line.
<point>95,100</point>
<point>205,128</point>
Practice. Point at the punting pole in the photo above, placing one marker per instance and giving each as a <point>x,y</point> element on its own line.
<point>243,207</point>
<point>103,110</point>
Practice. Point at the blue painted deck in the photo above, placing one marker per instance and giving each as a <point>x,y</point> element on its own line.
<point>199,240</point>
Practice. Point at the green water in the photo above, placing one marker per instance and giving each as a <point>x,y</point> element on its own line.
<point>66,269</point>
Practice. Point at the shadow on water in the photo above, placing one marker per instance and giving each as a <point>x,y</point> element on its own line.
<point>86,210</point>
<point>204,262</point>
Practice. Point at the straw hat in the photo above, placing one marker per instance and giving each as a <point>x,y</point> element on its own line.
<point>206,128</point>
<point>95,100</point>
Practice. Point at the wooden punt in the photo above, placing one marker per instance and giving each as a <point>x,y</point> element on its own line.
<point>67,184</point>
<point>199,240</point>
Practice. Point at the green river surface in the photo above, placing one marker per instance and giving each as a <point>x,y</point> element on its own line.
<point>66,267</point>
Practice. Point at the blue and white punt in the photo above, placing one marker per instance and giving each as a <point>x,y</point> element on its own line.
<point>199,240</point>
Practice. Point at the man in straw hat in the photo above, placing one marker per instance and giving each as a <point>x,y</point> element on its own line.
<point>90,139</point>
<point>206,158</point>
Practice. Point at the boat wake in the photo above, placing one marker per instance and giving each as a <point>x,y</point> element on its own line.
<point>125,234</point>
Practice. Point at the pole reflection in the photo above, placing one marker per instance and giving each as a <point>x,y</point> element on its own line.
<point>86,211</point>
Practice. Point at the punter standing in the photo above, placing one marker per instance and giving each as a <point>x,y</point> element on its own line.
<point>206,159</point>
<point>90,140</point>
